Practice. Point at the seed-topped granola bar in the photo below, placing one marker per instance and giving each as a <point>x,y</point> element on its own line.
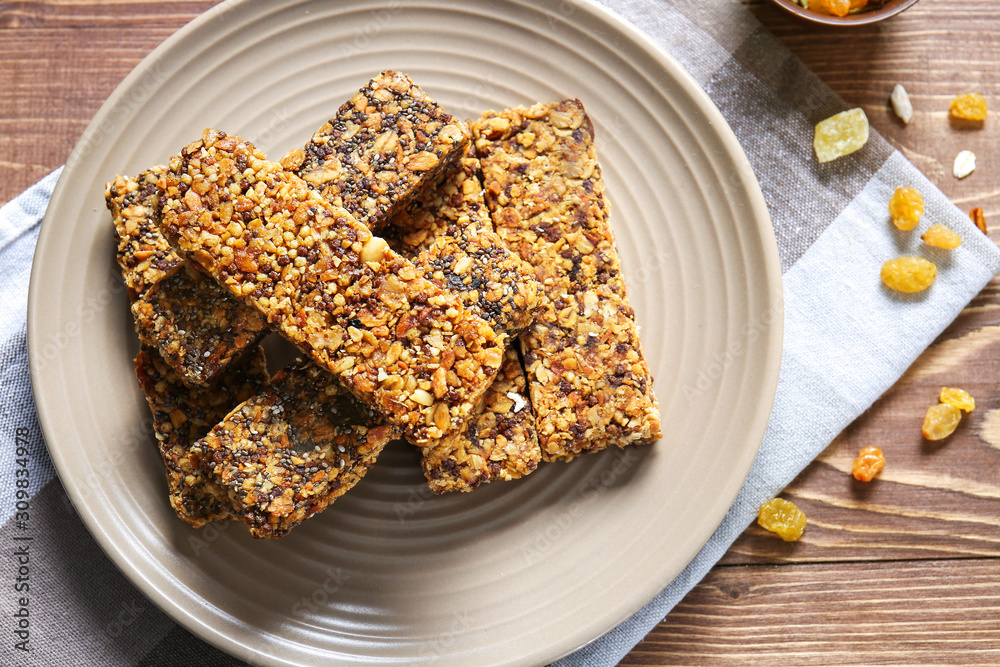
<point>589,383</point>
<point>453,206</point>
<point>340,294</point>
<point>144,254</point>
<point>182,415</point>
<point>500,442</point>
<point>197,327</point>
<point>384,144</point>
<point>291,450</point>
<point>450,234</point>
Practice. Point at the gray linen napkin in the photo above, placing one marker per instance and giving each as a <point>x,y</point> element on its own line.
<point>843,346</point>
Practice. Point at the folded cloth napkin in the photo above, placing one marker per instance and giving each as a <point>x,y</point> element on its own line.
<point>843,345</point>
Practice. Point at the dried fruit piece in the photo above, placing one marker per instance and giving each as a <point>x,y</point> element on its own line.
<point>965,164</point>
<point>909,274</point>
<point>901,103</point>
<point>941,421</point>
<point>840,134</point>
<point>782,517</point>
<point>979,218</point>
<point>960,398</point>
<point>940,236</point>
<point>906,207</point>
<point>868,464</point>
<point>970,106</point>
<point>836,7</point>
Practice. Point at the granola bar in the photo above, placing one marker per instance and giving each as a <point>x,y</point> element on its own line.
<point>500,442</point>
<point>196,326</point>
<point>590,386</point>
<point>338,293</point>
<point>144,254</point>
<point>385,143</point>
<point>453,206</point>
<point>449,232</point>
<point>290,451</point>
<point>181,416</point>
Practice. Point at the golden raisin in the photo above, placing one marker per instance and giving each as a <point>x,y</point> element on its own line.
<point>906,207</point>
<point>970,106</point>
<point>868,464</point>
<point>960,398</point>
<point>782,517</point>
<point>840,134</point>
<point>941,421</point>
<point>909,274</point>
<point>940,236</point>
<point>978,217</point>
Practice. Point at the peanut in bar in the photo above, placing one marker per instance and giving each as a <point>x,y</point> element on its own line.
<point>182,415</point>
<point>340,294</point>
<point>590,386</point>
<point>291,450</point>
<point>384,144</point>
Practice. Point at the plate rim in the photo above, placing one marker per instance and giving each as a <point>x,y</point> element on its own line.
<point>771,279</point>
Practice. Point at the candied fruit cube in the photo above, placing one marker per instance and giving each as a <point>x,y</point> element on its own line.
<point>841,134</point>
<point>960,398</point>
<point>869,463</point>
<point>909,274</point>
<point>782,517</point>
<point>940,236</point>
<point>941,421</point>
<point>970,106</point>
<point>906,206</point>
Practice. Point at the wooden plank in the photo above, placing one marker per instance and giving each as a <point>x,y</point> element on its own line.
<point>924,612</point>
<point>60,62</point>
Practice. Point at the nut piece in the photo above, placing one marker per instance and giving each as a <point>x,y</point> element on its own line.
<point>840,134</point>
<point>941,421</point>
<point>901,104</point>
<point>940,236</point>
<point>909,274</point>
<point>960,398</point>
<point>965,164</point>
<point>978,217</point>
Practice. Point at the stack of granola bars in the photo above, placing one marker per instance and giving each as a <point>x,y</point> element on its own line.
<point>455,284</point>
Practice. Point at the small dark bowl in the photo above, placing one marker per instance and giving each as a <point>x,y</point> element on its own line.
<point>890,8</point>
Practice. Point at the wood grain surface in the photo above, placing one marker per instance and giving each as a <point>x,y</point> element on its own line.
<point>904,570</point>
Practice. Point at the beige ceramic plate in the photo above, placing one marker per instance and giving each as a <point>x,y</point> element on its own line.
<point>521,572</point>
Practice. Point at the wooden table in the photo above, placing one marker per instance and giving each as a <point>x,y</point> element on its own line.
<point>905,570</point>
